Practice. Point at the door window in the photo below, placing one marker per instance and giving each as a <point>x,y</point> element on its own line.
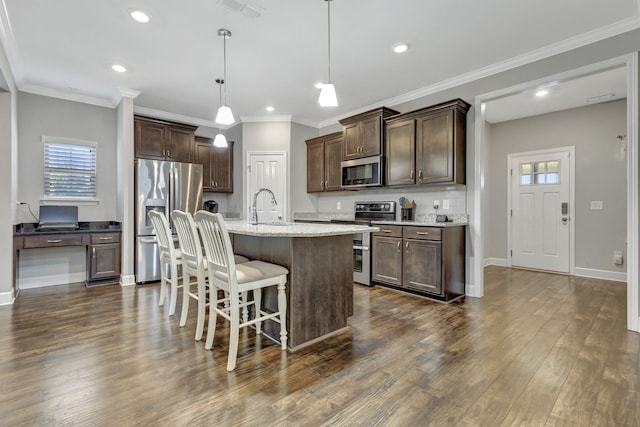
<point>540,173</point>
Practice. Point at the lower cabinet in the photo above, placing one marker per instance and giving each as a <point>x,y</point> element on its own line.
<point>103,258</point>
<point>428,261</point>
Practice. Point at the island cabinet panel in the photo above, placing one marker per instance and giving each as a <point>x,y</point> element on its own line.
<point>364,133</point>
<point>324,155</point>
<point>161,140</point>
<point>437,145</point>
<point>217,165</point>
<point>428,261</point>
<point>319,286</point>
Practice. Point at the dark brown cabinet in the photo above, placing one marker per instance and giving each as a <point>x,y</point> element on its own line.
<point>103,258</point>
<point>429,261</point>
<point>160,140</point>
<point>324,155</point>
<point>427,146</point>
<point>217,165</point>
<point>363,134</point>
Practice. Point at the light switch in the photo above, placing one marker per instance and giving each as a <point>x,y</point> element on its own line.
<point>445,204</point>
<point>338,206</point>
<point>597,205</point>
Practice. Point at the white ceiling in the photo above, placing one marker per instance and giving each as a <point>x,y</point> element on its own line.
<point>66,48</point>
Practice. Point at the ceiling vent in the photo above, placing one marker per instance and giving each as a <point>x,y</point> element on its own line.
<point>241,8</point>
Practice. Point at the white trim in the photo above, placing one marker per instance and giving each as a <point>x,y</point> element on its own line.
<point>7,298</point>
<point>70,201</point>
<point>498,262</point>
<point>129,93</point>
<point>572,197</point>
<point>51,280</point>
<point>69,96</point>
<point>265,119</point>
<point>179,118</point>
<point>474,286</point>
<point>127,280</point>
<point>631,63</point>
<point>247,200</point>
<point>615,276</point>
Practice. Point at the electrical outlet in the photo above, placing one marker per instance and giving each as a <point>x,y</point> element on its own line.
<point>597,205</point>
<point>445,204</point>
<point>436,204</point>
<point>338,205</point>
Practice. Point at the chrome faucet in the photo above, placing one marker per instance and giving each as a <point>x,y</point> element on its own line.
<point>254,210</point>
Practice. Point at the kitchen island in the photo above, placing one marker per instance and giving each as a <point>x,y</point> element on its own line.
<point>319,258</point>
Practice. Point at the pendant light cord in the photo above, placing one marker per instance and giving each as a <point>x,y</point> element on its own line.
<point>224,71</point>
<point>329,36</point>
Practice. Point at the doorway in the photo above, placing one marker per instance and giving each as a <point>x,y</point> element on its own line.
<point>541,199</point>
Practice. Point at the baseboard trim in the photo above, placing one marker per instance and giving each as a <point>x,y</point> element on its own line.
<point>128,280</point>
<point>601,274</point>
<point>7,298</point>
<point>500,262</point>
<point>60,279</point>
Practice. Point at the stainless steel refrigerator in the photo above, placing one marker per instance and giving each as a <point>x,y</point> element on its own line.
<point>163,187</point>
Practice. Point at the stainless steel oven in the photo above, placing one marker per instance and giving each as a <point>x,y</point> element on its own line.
<point>365,212</point>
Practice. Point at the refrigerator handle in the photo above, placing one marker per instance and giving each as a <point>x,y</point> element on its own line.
<point>170,201</point>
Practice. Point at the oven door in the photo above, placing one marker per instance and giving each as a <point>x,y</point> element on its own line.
<point>362,258</point>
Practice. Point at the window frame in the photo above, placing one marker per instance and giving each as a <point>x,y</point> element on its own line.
<point>68,200</point>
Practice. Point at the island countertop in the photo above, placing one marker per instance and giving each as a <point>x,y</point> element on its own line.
<point>295,229</point>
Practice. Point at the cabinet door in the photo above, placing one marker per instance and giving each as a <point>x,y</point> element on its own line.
<point>203,157</point>
<point>332,159</point>
<point>104,261</point>
<point>371,137</point>
<point>423,265</point>
<point>387,260</point>
<point>434,148</point>
<point>400,153</point>
<point>222,168</point>
<point>315,167</point>
<point>149,140</point>
<point>180,145</point>
<point>351,141</point>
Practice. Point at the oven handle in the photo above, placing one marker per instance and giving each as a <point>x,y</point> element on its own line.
<point>362,248</point>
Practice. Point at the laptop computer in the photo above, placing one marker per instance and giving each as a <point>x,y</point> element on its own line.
<point>58,218</point>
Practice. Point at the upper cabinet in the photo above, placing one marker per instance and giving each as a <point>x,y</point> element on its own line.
<point>157,139</point>
<point>217,165</point>
<point>363,134</point>
<point>427,146</point>
<point>324,155</point>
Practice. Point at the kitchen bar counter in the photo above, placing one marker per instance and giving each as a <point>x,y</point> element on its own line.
<point>320,282</point>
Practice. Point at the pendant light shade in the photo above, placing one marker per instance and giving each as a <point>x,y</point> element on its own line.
<point>328,93</point>
<point>220,141</point>
<point>225,115</point>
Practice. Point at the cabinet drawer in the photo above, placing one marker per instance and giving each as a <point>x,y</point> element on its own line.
<point>52,240</point>
<point>423,233</point>
<point>388,230</point>
<point>98,238</point>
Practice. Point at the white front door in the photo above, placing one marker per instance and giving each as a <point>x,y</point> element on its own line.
<point>267,170</point>
<point>541,210</point>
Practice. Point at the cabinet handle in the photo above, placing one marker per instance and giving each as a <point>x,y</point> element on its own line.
<point>168,153</point>
<point>386,231</point>
<point>215,184</point>
<point>406,246</point>
<point>106,238</point>
<point>420,174</point>
<point>422,233</point>
<point>411,175</point>
<point>54,241</point>
<point>322,185</point>
<point>94,252</point>
<point>399,244</point>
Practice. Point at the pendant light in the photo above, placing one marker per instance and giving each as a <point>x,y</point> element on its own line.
<point>224,116</point>
<point>220,140</point>
<point>328,92</point>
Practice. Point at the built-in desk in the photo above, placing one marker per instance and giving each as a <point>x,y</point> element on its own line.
<point>101,240</point>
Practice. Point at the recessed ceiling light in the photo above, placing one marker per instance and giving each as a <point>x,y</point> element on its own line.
<point>542,92</point>
<point>318,85</point>
<point>400,47</point>
<point>118,68</point>
<point>139,16</point>
<point>269,108</point>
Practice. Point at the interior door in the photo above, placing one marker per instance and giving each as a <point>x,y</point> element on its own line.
<point>540,214</point>
<point>267,170</point>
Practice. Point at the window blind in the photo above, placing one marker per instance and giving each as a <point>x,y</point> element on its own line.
<point>69,169</point>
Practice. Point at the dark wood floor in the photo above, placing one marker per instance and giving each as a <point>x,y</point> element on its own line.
<point>539,349</point>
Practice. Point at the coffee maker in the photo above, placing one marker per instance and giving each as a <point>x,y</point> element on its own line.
<point>211,206</point>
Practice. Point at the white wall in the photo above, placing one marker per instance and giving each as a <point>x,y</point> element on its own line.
<point>302,202</point>
<point>600,175</point>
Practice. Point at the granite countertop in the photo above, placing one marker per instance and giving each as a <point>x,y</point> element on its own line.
<point>295,229</point>
<point>423,220</point>
<point>31,228</point>
<point>421,223</point>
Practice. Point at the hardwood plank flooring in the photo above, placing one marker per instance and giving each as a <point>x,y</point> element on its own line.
<point>538,350</point>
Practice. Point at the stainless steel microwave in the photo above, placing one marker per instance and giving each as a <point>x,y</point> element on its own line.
<point>365,172</point>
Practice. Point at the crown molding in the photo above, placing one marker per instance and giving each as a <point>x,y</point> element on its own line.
<point>77,97</point>
<point>310,123</point>
<point>129,93</point>
<point>179,118</point>
<point>263,119</point>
